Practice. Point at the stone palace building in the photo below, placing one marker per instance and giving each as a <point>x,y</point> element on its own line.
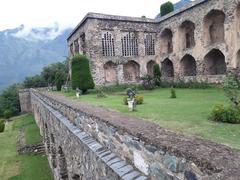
<point>200,41</point>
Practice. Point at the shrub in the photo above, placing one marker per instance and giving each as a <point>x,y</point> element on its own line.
<point>173,93</point>
<point>180,83</point>
<point>2,126</point>
<point>148,82</point>
<point>100,93</point>
<point>8,113</point>
<point>230,87</point>
<point>166,8</point>
<point>230,114</point>
<point>157,74</point>
<point>137,98</point>
<point>81,75</point>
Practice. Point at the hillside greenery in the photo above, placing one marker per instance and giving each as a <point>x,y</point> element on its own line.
<point>52,75</point>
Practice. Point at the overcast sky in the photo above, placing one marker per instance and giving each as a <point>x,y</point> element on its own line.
<point>68,13</point>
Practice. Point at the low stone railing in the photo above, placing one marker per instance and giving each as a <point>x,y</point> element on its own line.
<point>152,151</point>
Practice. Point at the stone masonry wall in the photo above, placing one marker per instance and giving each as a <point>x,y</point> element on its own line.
<point>153,152</point>
<point>25,100</point>
<point>199,14</point>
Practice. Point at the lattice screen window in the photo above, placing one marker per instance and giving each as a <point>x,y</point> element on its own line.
<point>130,45</point>
<point>76,46</point>
<point>149,45</point>
<point>108,48</point>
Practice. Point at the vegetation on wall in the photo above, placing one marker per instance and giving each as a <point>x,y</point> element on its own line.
<point>166,8</point>
<point>81,75</point>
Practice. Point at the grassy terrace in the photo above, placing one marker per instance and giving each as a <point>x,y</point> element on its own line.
<point>187,114</point>
<point>21,167</point>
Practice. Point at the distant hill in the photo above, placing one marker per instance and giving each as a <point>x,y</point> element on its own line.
<point>24,52</point>
<point>177,6</point>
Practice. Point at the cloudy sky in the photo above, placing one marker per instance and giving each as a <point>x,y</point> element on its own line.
<point>67,13</point>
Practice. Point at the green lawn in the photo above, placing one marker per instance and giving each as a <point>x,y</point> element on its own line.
<point>21,167</point>
<point>187,114</point>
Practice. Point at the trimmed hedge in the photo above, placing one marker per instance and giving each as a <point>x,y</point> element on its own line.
<point>166,8</point>
<point>81,75</point>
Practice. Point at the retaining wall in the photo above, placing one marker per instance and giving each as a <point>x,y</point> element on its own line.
<point>87,142</point>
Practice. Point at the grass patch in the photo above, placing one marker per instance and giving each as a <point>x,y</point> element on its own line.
<point>187,114</point>
<point>19,167</point>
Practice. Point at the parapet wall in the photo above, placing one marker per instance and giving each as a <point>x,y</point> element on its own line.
<point>88,142</point>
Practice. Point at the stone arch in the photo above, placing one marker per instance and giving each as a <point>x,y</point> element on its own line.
<point>53,152</point>
<point>214,26</point>
<point>166,45</point>
<point>131,71</point>
<point>188,66</point>
<point>110,72</point>
<point>150,65</point>
<point>187,29</point>
<point>62,164</point>
<point>167,68</point>
<point>215,63</point>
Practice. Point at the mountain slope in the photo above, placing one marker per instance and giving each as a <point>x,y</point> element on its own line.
<point>21,56</point>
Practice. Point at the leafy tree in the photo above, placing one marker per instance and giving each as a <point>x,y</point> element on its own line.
<point>34,82</point>
<point>166,8</point>
<point>81,74</point>
<point>157,74</point>
<point>9,101</point>
<point>56,72</point>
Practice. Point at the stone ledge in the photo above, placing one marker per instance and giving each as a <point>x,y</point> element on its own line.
<point>218,161</point>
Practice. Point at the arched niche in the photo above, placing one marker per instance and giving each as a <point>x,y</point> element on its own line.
<point>215,63</point>
<point>167,68</point>
<point>187,29</point>
<point>188,66</point>
<point>166,45</point>
<point>214,26</point>
<point>110,72</point>
<point>131,71</point>
<point>150,65</point>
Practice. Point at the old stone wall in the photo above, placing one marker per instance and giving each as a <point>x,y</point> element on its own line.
<point>25,100</point>
<point>93,143</point>
<point>205,30</point>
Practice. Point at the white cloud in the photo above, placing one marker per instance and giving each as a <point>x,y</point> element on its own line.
<point>68,13</point>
